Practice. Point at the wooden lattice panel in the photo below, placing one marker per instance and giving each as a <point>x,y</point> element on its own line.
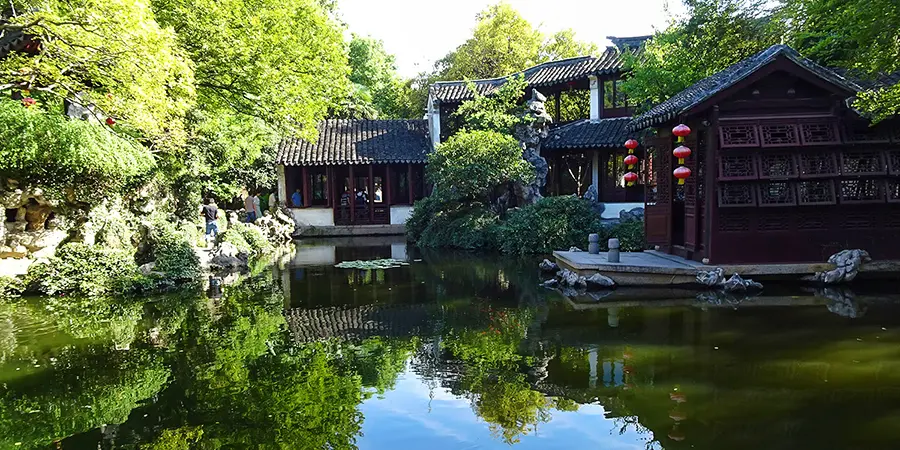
<point>865,135</point>
<point>818,164</point>
<point>893,160</point>
<point>736,167</point>
<point>863,162</point>
<point>863,190</point>
<point>816,192</point>
<point>892,218</point>
<point>780,221</point>
<point>736,195</point>
<point>812,220</point>
<point>777,165</point>
<point>734,221</point>
<point>859,220</point>
<point>779,135</point>
<point>776,193</point>
<point>823,133</point>
<point>738,135</point>
<point>893,190</point>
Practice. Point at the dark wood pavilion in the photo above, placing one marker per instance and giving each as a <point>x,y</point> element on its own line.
<point>783,169</point>
<point>358,172</point>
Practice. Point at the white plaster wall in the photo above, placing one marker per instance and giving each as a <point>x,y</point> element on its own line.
<point>613,209</point>
<point>282,185</point>
<point>315,217</point>
<point>315,255</point>
<point>398,252</point>
<point>400,214</point>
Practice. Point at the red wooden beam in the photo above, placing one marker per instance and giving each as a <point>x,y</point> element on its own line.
<point>409,182</point>
<point>371,196</point>
<point>352,199</point>
<point>305,185</point>
<point>387,185</point>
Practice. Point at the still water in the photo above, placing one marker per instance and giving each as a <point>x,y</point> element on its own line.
<point>453,351</point>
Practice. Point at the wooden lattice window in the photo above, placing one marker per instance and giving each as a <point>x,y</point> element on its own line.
<point>892,219</point>
<point>737,167</point>
<point>738,135</point>
<point>779,135</point>
<point>822,133</point>
<point>859,220</point>
<point>818,164</point>
<point>812,220</point>
<point>776,193</point>
<point>863,190</point>
<point>893,190</point>
<point>893,159</point>
<point>895,135</point>
<point>774,222</point>
<point>734,221</point>
<point>865,134</point>
<point>816,192</point>
<point>862,162</point>
<point>736,194</point>
<point>777,165</point>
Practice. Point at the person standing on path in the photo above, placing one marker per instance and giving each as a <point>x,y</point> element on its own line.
<point>248,206</point>
<point>210,213</point>
<point>256,207</point>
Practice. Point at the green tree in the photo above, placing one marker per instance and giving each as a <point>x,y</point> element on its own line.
<point>503,42</point>
<point>713,35</point>
<point>500,112</point>
<point>861,35</point>
<point>373,72</point>
<point>563,44</point>
<point>111,54</point>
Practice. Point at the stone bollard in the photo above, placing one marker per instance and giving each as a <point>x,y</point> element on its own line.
<point>594,243</point>
<point>613,255</point>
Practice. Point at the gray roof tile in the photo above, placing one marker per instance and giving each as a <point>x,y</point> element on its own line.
<point>587,134</point>
<point>343,141</point>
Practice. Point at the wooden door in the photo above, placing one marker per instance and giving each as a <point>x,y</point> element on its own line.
<point>658,193</point>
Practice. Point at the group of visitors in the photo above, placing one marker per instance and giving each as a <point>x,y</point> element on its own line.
<point>210,211</point>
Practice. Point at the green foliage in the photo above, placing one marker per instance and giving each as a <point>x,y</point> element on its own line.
<point>471,164</point>
<point>499,112</point>
<point>564,44</point>
<point>173,252</point>
<point>630,235</point>
<point>713,35</point>
<point>247,238</point>
<point>553,223</point>
<point>280,61</point>
<point>457,225</point>
<point>512,408</point>
<point>378,89</point>
<point>83,269</point>
<point>45,149</point>
<point>10,287</point>
<point>110,53</point>
<point>180,439</point>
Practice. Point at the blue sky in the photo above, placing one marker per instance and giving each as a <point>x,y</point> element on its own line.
<point>420,32</point>
<point>405,418</point>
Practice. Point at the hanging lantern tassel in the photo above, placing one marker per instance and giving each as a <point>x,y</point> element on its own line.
<point>630,178</point>
<point>631,144</point>
<point>681,131</point>
<point>631,160</point>
<point>681,173</point>
<point>681,153</point>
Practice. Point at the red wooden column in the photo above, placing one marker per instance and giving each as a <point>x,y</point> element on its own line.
<point>304,174</point>
<point>409,177</point>
<point>710,189</point>
<point>329,180</point>
<point>352,200</point>
<point>371,193</point>
<point>387,185</point>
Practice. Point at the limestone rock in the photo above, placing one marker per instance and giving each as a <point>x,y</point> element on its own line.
<point>599,281</point>
<point>592,195</point>
<point>711,278</point>
<point>18,251</point>
<point>575,249</point>
<point>147,269</point>
<point>738,284</point>
<point>847,264</point>
<point>553,282</point>
<point>716,279</point>
<point>634,215</point>
<point>548,266</point>
<point>530,135</point>
<point>227,256</point>
<point>571,279</point>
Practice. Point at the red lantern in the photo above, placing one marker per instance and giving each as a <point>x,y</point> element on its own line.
<point>681,131</point>
<point>681,153</point>
<point>630,178</point>
<point>631,144</point>
<point>110,121</point>
<point>681,173</point>
<point>631,160</point>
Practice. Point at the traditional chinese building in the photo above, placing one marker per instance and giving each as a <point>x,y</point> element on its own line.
<point>782,168</point>
<point>357,172</point>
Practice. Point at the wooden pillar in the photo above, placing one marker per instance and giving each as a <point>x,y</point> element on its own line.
<point>409,177</point>
<point>556,117</point>
<point>304,175</point>
<point>329,179</point>
<point>387,185</point>
<point>371,196</point>
<point>709,183</point>
<point>352,195</point>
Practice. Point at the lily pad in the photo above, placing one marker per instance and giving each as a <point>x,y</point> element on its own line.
<point>372,265</point>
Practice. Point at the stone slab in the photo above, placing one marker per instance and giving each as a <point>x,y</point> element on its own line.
<point>353,230</point>
<point>630,262</point>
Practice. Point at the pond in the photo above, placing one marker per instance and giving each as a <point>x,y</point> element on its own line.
<point>452,351</point>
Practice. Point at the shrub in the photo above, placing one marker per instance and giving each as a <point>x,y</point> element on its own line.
<point>172,250</point>
<point>423,211</point>
<point>83,269</point>
<point>629,234</point>
<point>553,223</point>
<point>10,287</point>
<point>465,227</point>
<point>247,238</point>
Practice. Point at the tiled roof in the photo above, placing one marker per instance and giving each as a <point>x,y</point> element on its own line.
<point>359,142</point>
<point>547,74</point>
<point>712,85</point>
<point>9,40</point>
<point>310,325</point>
<point>587,134</point>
